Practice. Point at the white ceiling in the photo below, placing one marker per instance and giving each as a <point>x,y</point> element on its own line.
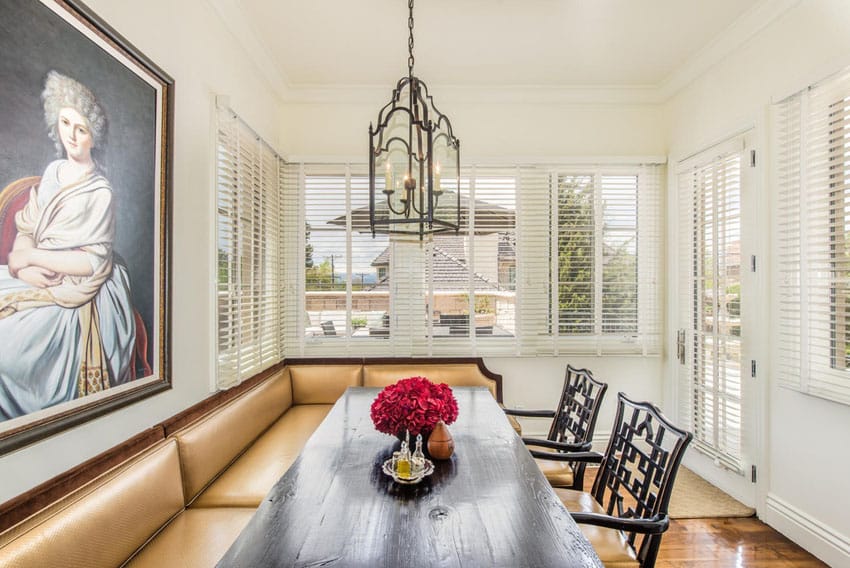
<point>550,44</point>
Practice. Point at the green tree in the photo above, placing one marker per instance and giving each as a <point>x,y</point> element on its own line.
<point>619,290</point>
<point>308,249</point>
<point>575,255</point>
<point>318,277</point>
<point>223,267</point>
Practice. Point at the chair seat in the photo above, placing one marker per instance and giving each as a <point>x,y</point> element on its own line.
<point>558,473</point>
<point>197,537</point>
<point>610,544</point>
<point>515,424</point>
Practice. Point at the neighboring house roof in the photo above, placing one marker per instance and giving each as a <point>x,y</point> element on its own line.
<point>450,269</point>
<point>382,259</point>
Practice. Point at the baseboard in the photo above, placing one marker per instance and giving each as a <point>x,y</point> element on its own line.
<point>600,441</point>
<point>818,538</point>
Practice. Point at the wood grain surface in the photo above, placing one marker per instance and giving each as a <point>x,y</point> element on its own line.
<point>488,505</point>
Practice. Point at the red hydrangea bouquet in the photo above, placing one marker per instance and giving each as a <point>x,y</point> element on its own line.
<point>414,404</point>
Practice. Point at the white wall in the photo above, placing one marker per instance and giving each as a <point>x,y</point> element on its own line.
<point>188,41</point>
<point>487,130</point>
<point>535,383</point>
<point>803,490</point>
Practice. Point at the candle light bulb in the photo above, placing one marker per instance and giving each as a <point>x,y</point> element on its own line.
<point>437,188</point>
<point>388,177</point>
<point>409,183</point>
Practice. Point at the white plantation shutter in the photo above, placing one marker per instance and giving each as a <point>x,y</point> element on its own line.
<point>410,268</point>
<point>813,219</point>
<point>325,284</point>
<point>493,266</point>
<point>578,257</point>
<point>650,251</point>
<point>295,241</point>
<point>249,252</point>
<point>487,290</point>
<point>535,242</point>
<point>472,275</point>
<point>343,272</point>
<point>605,258</point>
<point>710,388</point>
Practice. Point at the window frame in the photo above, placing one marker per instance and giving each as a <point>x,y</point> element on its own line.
<point>532,334</point>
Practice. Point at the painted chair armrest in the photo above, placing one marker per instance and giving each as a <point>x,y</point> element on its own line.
<point>655,525</point>
<point>530,413</point>
<point>561,446</point>
<point>590,457</point>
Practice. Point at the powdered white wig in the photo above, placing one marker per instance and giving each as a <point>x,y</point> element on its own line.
<point>63,92</point>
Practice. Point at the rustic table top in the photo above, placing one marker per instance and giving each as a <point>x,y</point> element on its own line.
<point>489,505</point>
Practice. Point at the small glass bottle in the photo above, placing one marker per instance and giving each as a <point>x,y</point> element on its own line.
<point>418,458</point>
<point>403,465</point>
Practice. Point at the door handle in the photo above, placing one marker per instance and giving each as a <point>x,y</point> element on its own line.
<point>680,346</point>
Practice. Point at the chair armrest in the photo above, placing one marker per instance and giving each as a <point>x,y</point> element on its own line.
<point>563,446</point>
<point>656,525</point>
<point>590,457</point>
<point>530,413</point>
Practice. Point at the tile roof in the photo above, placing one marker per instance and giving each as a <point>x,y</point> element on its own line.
<point>451,272</point>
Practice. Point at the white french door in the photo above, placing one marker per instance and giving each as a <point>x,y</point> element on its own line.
<point>715,359</point>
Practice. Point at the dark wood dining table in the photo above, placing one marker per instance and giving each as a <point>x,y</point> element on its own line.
<point>489,505</point>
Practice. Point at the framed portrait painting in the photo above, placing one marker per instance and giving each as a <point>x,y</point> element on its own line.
<point>85,145</point>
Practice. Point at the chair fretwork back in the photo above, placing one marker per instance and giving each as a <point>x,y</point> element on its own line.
<point>636,476</point>
<point>575,417</point>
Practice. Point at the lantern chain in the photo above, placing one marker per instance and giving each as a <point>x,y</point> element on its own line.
<point>410,39</point>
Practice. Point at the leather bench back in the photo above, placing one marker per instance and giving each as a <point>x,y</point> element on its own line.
<point>452,374</point>
<point>209,445</point>
<point>323,384</point>
<point>105,521</point>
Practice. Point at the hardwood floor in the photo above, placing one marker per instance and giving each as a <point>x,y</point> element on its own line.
<point>745,543</point>
<point>725,543</point>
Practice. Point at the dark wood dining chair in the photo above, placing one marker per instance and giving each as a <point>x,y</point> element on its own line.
<point>573,424</point>
<point>625,513</point>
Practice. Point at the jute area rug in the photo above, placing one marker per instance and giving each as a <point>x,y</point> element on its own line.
<point>695,498</point>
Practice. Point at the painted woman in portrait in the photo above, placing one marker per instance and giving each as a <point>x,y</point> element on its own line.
<point>66,319</point>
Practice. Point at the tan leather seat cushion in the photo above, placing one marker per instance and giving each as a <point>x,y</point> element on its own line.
<point>322,384</point>
<point>452,374</point>
<point>197,538</point>
<point>514,424</point>
<point>558,473</point>
<point>249,479</point>
<point>209,445</point>
<point>610,544</point>
<point>107,521</point>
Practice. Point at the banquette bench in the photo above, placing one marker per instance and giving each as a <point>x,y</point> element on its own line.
<point>179,493</point>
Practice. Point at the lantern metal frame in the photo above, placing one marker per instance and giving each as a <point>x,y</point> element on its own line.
<point>415,212</point>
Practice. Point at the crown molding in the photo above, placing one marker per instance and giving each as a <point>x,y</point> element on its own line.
<point>501,160</point>
<point>478,94</point>
<point>726,42</point>
<point>736,34</point>
<point>231,15</point>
